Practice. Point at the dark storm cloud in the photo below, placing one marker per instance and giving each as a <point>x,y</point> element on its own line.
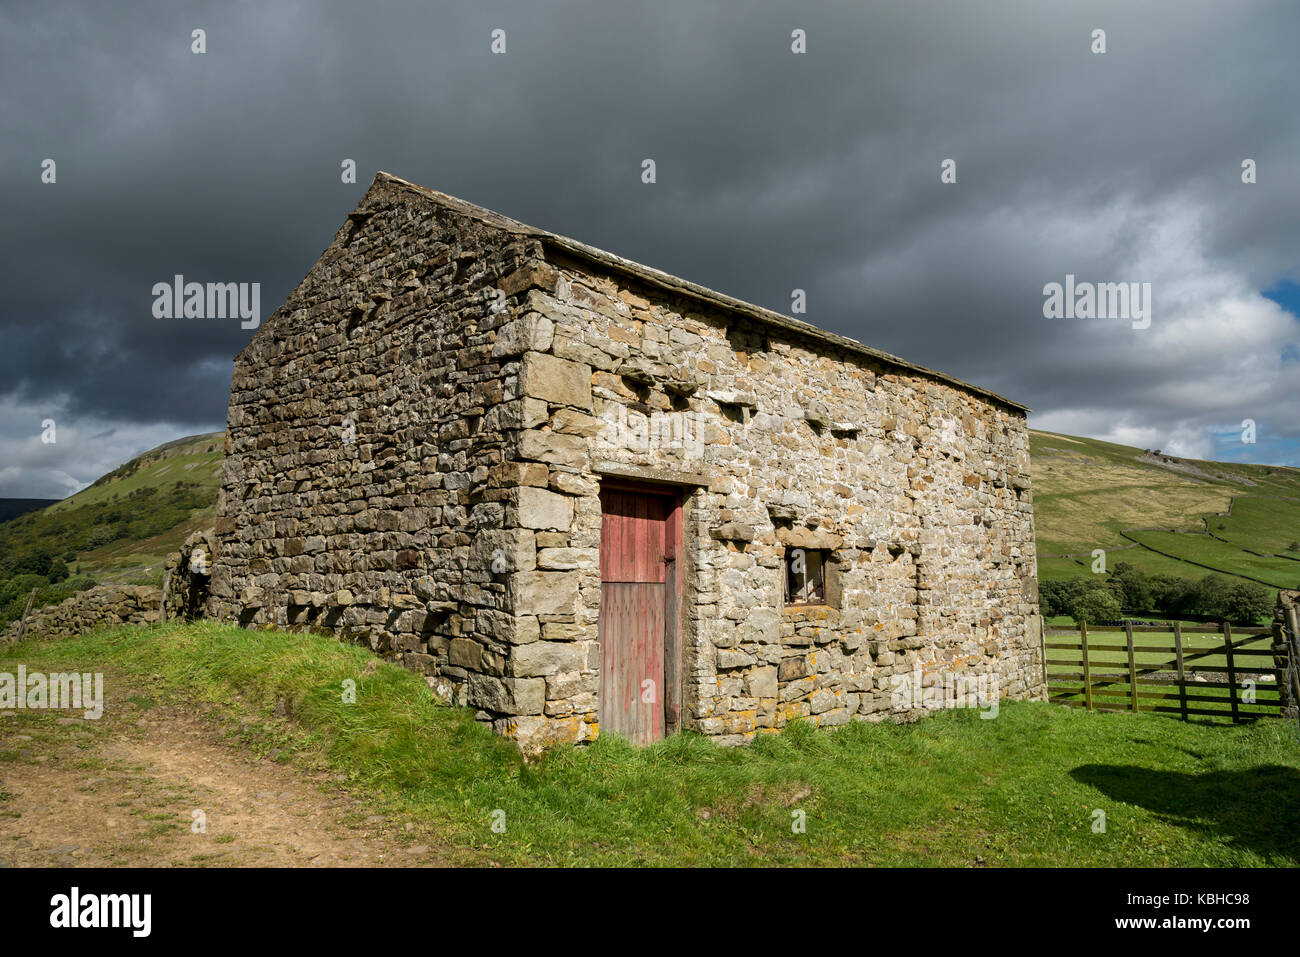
<point>775,171</point>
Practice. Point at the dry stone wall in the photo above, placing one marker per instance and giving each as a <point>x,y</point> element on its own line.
<point>366,487</point>
<point>918,491</point>
<point>98,607</point>
<point>183,596</point>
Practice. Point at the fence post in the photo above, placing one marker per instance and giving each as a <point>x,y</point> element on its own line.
<point>1042,655</point>
<point>1232,672</point>
<point>22,625</point>
<point>1087,672</point>
<point>1132,669</point>
<point>1182,679</point>
<point>1293,656</point>
<point>166,594</point>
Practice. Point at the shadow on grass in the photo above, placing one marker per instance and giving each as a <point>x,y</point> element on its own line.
<point>1256,809</point>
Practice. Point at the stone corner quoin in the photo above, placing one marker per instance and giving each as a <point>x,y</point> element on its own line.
<point>418,439</point>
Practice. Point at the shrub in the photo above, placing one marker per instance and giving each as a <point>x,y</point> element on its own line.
<point>100,535</point>
<point>20,585</point>
<point>58,571</point>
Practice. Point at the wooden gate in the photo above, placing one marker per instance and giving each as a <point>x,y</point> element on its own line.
<point>1207,671</point>
<point>639,612</point>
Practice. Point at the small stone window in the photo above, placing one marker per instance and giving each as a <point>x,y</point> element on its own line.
<point>805,576</point>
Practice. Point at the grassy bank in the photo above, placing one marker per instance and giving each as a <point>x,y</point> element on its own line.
<point>955,789</point>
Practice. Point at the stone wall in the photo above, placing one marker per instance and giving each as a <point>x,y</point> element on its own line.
<point>101,606</point>
<point>187,575</point>
<point>919,490</point>
<point>365,485</point>
<point>184,595</point>
<point>416,441</point>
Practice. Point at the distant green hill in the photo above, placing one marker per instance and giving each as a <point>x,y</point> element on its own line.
<point>1162,514</point>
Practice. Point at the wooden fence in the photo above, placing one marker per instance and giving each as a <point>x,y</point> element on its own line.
<point>1206,671</point>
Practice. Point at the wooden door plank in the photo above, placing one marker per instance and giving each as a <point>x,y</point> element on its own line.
<point>671,656</point>
<point>636,605</point>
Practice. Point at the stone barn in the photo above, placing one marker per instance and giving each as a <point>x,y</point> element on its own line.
<point>579,494</point>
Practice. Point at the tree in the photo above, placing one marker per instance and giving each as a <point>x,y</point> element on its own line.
<point>1132,585</point>
<point>1247,602</point>
<point>1170,595</point>
<point>1096,604</point>
<point>35,562</point>
<point>58,571</point>
<point>1211,596</point>
<point>1051,598</point>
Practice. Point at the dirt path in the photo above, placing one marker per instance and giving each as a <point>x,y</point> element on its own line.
<point>122,791</point>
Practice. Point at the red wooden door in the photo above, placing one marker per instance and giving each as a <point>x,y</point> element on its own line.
<point>638,587</point>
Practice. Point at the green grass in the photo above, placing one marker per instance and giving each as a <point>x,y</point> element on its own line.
<point>1153,563</point>
<point>1087,494</point>
<point>1062,568</point>
<point>953,789</point>
<point>1210,553</point>
<point>1262,524</point>
<point>1148,562</point>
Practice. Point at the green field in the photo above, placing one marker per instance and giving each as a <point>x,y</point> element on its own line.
<point>1090,494</point>
<point>955,789</point>
<point>1210,553</point>
<point>1266,525</point>
<point>1143,559</point>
